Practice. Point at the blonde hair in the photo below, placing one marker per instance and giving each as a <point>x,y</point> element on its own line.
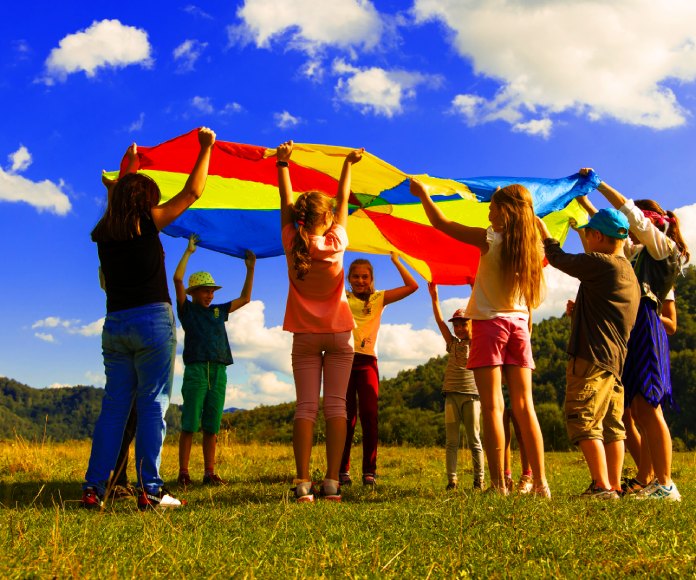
<point>363,262</point>
<point>520,253</point>
<point>308,210</point>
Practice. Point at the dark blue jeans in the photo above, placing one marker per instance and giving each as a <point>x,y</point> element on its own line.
<point>138,346</point>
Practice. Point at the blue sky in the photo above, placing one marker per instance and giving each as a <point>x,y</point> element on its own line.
<point>455,88</point>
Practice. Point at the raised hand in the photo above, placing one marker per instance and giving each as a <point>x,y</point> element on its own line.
<point>206,137</point>
<point>284,151</point>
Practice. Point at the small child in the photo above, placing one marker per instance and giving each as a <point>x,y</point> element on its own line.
<point>206,356</point>
<point>603,316</point>
<point>462,402</point>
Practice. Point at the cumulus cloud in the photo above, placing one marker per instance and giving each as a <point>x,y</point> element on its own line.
<point>98,379</point>
<point>285,120</point>
<point>105,44</point>
<point>687,215</point>
<point>540,127</point>
<point>204,106</point>
<point>74,326</point>
<point>402,347</point>
<point>307,25</point>
<point>45,336</point>
<point>261,388</point>
<point>377,90</point>
<point>59,386</point>
<point>43,195</point>
<point>187,53</point>
<point>618,60</point>
<point>559,289</point>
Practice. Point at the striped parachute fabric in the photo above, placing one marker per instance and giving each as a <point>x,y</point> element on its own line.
<point>240,208</point>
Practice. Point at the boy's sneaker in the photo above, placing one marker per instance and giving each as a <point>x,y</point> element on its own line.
<point>123,491</point>
<point>595,492</point>
<point>451,485</point>
<point>213,479</point>
<point>91,499</point>
<point>631,485</point>
<point>162,499</point>
<point>525,485</point>
<point>369,479</point>
<point>303,491</point>
<point>658,491</point>
<point>344,479</point>
<point>184,480</point>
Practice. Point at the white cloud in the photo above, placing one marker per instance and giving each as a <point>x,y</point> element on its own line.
<point>687,216</point>
<point>104,44</point>
<point>559,289</point>
<point>285,120</point>
<point>308,25</point>
<point>196,11</point>
<point>71,326</point>
<point>540,127</point>
<point>376,90</point>
<point>187,53</point>
<point>203,105</point>
<point>261,388</point>
<point>43,195</point>
<point>19,160</point>
<point>400,347</point>
<point>599,59</point>
<point>59,386</point>
<point>98,379</point>
<point>137,125</point>
<point>45,336</point>
<point>231,108</point>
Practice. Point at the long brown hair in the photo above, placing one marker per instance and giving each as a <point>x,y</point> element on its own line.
<point>309,208</point>
<point>367,264</point>
<point>132,198</point>
<point>520,253</point>
<point>673,231</point>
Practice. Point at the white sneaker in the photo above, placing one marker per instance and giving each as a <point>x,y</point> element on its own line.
<point>658,491</point>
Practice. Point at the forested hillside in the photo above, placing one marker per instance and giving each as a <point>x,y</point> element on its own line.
<point>410,405</point>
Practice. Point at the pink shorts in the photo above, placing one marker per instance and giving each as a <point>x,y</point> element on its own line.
<point>500,341</point>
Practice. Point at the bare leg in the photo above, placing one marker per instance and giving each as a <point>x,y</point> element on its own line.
<point>185,441</point>
<point>519,381</point>
<point>336,429</point>
<point>524,460</point>
<point>488,382</point>
<point>633,439</point>
<point>209,446</point>
<point>302,438</point>
<point>507,463</point>
<point>614,457</point>
<point>593,450</point>
<point>656,434</point>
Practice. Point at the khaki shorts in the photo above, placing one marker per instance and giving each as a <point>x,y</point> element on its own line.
<point>594,403</point>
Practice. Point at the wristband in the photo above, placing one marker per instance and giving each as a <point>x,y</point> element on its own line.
<point>282,164</point>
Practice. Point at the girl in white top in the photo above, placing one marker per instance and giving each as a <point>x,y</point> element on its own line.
<point>508,285</point>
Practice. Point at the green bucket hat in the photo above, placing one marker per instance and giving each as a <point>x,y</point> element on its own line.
<point>200,279</point>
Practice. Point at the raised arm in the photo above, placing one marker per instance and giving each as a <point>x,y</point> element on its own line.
<point>283,153</point>
<point>469,235</point>
<point>344,186</point>
<point>245,296</point>
<point>613,197</point>
<point>409,287</point>
<point>437,313</point>
<point>180,271</point>
<point>166,213</point>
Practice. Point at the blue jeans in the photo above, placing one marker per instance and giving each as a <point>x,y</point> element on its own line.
<point>138,346</point>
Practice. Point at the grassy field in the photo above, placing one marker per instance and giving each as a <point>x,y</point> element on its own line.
<point>409,526</point>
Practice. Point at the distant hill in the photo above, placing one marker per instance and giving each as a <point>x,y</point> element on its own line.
<point>410,404</point>
<point>58,414</point>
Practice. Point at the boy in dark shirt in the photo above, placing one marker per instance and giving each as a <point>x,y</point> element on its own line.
<point>604,313</point>
<point>206,356</point>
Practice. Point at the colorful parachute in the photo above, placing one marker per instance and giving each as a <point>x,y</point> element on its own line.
<point>240,207</point>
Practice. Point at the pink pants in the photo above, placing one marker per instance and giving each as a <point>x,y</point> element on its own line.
<point>314,355</point>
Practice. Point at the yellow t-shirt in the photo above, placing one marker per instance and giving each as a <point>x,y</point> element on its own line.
<point>367,315</point>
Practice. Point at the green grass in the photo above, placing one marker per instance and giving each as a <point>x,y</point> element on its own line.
<point>407,527</point>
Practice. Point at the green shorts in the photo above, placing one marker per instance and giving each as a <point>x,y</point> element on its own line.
<point>204,396</point>
<point>594,403</point>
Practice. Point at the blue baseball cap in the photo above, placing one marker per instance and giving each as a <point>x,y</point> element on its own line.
<point>611,222</point>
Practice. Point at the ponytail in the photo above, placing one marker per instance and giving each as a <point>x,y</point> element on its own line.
<point>309,208</point>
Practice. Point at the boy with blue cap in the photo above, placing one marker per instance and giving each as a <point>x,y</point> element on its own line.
<point>602,318</point>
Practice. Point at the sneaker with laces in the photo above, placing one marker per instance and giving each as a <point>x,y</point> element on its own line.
<point>369,479</point>
<point>303,490</point>
<point>509,484</point>
<point>451,485</point>
<point>525,485</point>
<point>184,480</point>
<point>631,485</point>
<point>213,479</point>
<point>658,491</point>
<point>344,478</point>
<point>162,499</point>
<point>595,492</point>
<point>123,491</point>
<point>91,499</point>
